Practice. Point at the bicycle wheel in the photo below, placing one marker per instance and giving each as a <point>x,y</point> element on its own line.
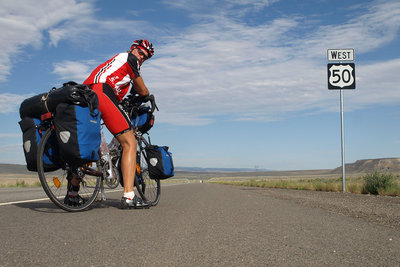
<point>149,189</point>
<point>55,183</point>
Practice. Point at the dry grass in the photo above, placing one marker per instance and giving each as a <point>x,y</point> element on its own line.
<point>19,180</point>
<point>353,185</point>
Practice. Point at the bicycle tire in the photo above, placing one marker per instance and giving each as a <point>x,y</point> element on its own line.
<point>55,183</point>
<point>149,189</point>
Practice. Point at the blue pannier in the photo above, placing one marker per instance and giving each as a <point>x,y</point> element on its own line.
<point>143,119</point>
<point>31,137</point>
<point>159,161</point>
<point>78,132</point>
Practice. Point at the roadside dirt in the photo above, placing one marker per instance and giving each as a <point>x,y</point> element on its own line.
<point>12,179</point>
<point>383,210</point>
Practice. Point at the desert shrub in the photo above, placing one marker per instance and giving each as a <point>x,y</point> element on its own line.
<point>354,188</point>
<point>376,182</point>
<point>21,184</point>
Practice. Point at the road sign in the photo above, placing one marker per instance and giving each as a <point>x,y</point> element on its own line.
<point>341,76</point>
<point>339,55</point>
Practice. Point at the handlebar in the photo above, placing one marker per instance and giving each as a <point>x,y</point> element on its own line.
<point>134,101</point>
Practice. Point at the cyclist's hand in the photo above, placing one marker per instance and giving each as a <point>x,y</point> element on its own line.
<point>136,100</point>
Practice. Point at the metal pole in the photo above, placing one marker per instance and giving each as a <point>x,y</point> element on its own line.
<point>342,135</point>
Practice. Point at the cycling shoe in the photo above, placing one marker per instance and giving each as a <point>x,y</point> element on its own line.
<point>135,203</point>
<point>73,200</point>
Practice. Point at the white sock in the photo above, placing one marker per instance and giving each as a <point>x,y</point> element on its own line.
<point>129,195</point>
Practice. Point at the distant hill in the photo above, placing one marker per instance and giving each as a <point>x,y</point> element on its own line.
<point>360,166</point>
<point>14,169</point>
<point>21,169</point>
<point>369,165</point>
<point>198,169</point>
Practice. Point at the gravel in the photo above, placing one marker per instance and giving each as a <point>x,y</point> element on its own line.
<point>383,210</point>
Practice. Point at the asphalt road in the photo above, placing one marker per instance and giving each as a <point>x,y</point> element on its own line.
<point>206,225</point>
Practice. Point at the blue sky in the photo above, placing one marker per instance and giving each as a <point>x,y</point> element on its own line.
<point>239,84</point>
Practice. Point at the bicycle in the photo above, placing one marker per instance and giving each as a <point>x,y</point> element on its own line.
<point>106,170</point>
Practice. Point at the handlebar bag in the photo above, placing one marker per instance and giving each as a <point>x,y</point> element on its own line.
<point>159,161</point>
<point>78,131</point>
<point>31,137</point>
<point>143,119</point>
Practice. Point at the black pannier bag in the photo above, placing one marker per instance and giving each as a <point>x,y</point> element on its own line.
<point>78,131</point>
<point>159,161</point>
<point>31,138</point>
<point>143,119</point>
<point>70,92</point>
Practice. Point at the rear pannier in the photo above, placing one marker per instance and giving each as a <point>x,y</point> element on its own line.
<point>78,131</point>
<point>76,120</point>
<point>31,137</point>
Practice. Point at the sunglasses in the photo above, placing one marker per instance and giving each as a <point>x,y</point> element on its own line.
<point>142,53</point>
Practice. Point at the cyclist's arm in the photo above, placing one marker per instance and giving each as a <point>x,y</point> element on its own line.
<point>140,87</point>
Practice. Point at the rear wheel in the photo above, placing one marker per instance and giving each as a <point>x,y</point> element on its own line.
<point>149,189</point>
<point>56,183</point>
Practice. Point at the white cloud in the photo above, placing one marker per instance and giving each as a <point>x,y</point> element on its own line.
<point>240,6</point>
<point>24,22</point>
<point>377,27</point>
<point>9,135</point>
<point>225,67</point>
<point>73,70</point>
<point>222,66</point>
<point>11,102</point>
<point>377,83</point>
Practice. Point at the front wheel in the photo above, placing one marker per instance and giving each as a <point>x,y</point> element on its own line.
<point>56,183</point>
<point>149,189</point>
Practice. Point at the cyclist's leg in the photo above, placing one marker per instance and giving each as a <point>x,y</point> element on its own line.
<point>120,126</point>
<point>128,159</point>
<point>74,180</point>
<point>118,123</point>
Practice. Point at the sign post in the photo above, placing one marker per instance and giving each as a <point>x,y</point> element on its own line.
<point>341,76</point>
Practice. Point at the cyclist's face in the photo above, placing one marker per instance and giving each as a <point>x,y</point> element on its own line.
<point>140,54</point>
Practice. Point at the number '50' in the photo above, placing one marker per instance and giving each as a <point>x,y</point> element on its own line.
<point>338,74</point>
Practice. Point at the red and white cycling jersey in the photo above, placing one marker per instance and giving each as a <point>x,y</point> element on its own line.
<point>118,72</point>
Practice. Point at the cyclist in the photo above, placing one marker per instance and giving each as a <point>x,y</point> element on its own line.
<point>111,82</point>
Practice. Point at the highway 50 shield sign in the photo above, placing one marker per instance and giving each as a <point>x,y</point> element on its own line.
<point>341,76</point>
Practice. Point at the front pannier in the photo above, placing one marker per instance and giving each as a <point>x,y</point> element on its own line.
<point>159,161</point>
<point>143,119</point>
<point>31,137</point>
<point>78,132</point>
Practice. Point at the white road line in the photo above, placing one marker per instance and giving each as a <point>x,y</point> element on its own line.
<point>46,198</point>
<point>23,201</point>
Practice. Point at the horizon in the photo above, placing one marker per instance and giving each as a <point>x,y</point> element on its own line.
<point>239,84</point>
<point>206,169</point>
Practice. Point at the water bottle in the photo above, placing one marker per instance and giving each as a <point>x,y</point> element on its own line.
<point>105,156</point>
<point>113,145</point>
<point>103,146</point>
